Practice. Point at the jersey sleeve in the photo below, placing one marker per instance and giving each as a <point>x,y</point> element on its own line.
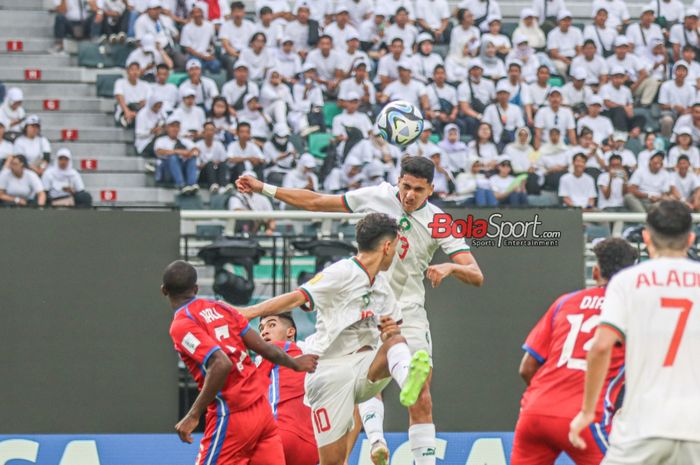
<point>239,324</point>
<point>539,340</point>
<point>192,341</point>
<point>614,313</point>
<point>321,289</point>
<point>362,199</point>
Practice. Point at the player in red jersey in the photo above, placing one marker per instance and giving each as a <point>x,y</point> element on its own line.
<point>286,393</point>
<point>213,339</point>
<point>554,367</point>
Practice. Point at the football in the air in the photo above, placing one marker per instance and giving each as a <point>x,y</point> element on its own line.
<point>400,123</point>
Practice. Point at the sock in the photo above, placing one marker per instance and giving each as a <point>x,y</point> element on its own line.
<point>372,415</point>
<point>421,437</point>
<point>399,358</point>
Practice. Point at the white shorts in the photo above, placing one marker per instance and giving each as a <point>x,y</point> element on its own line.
<point>416,329</point>
<point>652,452</point>
<point>334,389</point>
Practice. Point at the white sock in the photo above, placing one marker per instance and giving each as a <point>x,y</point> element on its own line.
<point>399,358</point>
<point>372,415</point>
<point>421,437</point>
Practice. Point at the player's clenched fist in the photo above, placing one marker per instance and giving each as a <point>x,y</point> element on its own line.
<point>247,184</point>
<point>185,427</point>
<point>388,327</point>
<point>436,273</point>
<point>306,362</point>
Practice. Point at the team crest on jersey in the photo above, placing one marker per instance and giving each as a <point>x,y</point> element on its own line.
<point>365,300</point>
<point>315,279</point>
<point>190,342</point>
<point>404,224</point>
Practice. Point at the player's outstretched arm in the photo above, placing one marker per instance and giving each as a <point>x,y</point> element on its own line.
<point>218,368</point>
<point>598,363</point>
<point>300,198</point>
<point>464,267</point>
<point>275,306</point>
<point>271,352</point>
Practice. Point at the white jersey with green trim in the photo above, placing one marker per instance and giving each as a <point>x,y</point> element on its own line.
<point>655,307</point>
<point>416,247</point>
<point>348,306</point>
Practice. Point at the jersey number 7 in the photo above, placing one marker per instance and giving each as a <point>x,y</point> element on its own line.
<point>685,305</point>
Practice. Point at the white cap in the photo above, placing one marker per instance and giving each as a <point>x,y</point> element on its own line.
<point>551,90</point>
<point>520,39</point>
<point>154,99</point>
<point>680,63</point>
<point>286,38</point>
<point>405,64</point>
<point>148,43</point>
<point>423,36</point>
<point>649,7</point>
<point>492,17</point>
<point>427,125</point>
<point>684,130</point>
<point>374,168</point>
<point>579,73</point>
<point>32,119</point>
<point>302,5</point>
<point>617,69</point>
<point>598,7</point>
<point>352,35</point>
<point>503,158</point>
<point>341,7</point>
<point>475,63</point>
<point>381,10</point>
<point>64,152</point>
<point>691,11</point>
<point>187,91</point>
<point>193,63</point>
<point>307,161</point>
<point>621,41</point>
<point>563,14</point>
<point>154,4</point>
<point>503,86</point>
<point>352,160</point>
<point>308,66</point>
<point>352,95</point>
<point>248,98</point>
<point>360,62</point>
<point>241,64</point>
<point>595,100</point>
<point>619,136</point>
<point>655,42</point>
<point>173,119</point>
<point>281,130</point>
<point>527,12</point>
<point>15,94</point>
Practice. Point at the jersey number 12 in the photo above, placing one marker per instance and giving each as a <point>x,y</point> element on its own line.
<point>573,353</point>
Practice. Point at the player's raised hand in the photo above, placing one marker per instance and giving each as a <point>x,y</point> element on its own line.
<point>306,363</point>
<point>247,184</point>
<point>580,421</point>
<point>388,327</point>
<point>185,427</point>
<point>436,273</point>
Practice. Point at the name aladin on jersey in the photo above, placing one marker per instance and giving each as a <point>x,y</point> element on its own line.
<point>672,279</point>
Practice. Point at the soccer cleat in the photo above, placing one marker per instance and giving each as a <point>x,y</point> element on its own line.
<point>418,372</point>
<point>379,453</point>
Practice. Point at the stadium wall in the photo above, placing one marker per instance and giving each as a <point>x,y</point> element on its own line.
<point>85,345</point>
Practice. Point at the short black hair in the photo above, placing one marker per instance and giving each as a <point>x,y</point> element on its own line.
<point>614,254</point>
<point>579,155</point>
<point>374,228</point>
<point>589,42</point>
<point>419,167</point>
<point>688,47</point>
<point>22,159</point>
<point>683,157</point>
<point>255,36</point>
<point>615,156</point>
<point>286,316</point>
<point>543,66</point>
<point>401,9</point>
<point>266,10</point>
<point>396,39</point>
<point>162,66</point>
<point>669,223</point>
<point>516,64</point>
<point>237,6</point>
<point>585,131</point>
<point>244,124</point>
<point>208,123</point>
<point>179,278</point>
<point>437,67</point>
<point>326,36</point>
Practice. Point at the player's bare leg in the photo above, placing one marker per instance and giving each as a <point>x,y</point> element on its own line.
<point>334,453</point>
<point>353,434</point>
<point>421,433</point>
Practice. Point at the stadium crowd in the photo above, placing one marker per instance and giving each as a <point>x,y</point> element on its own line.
<point>602,116</point>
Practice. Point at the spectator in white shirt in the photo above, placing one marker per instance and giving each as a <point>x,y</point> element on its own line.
<point>350,118</point>
<point>503,117</point>
<point>635,71</point>
<point>12,112</point>
<point>197,39</point>
<point>74,15</point>
<point>205,88</point>
<point>159,25</point>
<point>539,88</point>
<point>406,88</point>
<point>442,99</point>
<point>372,32</point>
<point>149,55</point>
<point>189,116</point>
<point>235,34</point>
<point>298,29</point>
<point>35,147</point>
<point>519,91</point>
<point>360,11</point>
<point>600,125</point>
<point>463,36</point>
<point>223,122</point>
<point>456,152</point>
<point>341,28</point>
<point>243,154</point>
<point>576,93</point>
<point>434,16</point>
<point>529,28</point>
<point>253,114</point>
<point>328,65</point>
<point>553,162</point>
<point>483,147</point>
<point>564,42</point>
<point>423,147</point>
<point>592,63</point>
<point>493,35</point>
<point>684,147</point>
<point>275,97</point>
<point>595,158</point>
<point>691,120</point>
<point>359,82</point>
<point>620,105</point>
<point>547,12</point>
<point>279,153</point>
<point>388,66</point>
<point>617,144</point>
<point>236,90</point>
<point>20,186</point>
<point>131,94</point>
<point>165,90</point>
<point>577,189</point>
<point>480,9</point>
<point>669,12</point>
<point>525,56</point>
<point>649,186</point>
<point>258,57</point>
<point>303,177</point>
<point>555,115</point>
<point>272,29</point>
<point>474,95</point>
<point>402,28</point>
<point>351,54</point>
<point>640,34</point>
<point>676,96</point>
<point>686,183</point>
<point>504,187</point>
<point>63,183</point>
<point>612,186</point>
<point>425,60</point>
<point>212,161</point>
<point>321,11</point>
<point>685,33</point>
<point>601,32</point>
<point>618,14</point>
<point>288,61</point>
<point>179,156</point>
<point>150,124</point>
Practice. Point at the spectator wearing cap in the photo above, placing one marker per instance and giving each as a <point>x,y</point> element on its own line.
<point>576,93</point>
<point>474,94</point>
<point>237,89</point>
<point>235,34</point>
<point>372,32</point>
<point>691,121</point>
<point>257,57</point>
<point>480,10</point>
<point>253,114</point>
<point>433,16</point>
<point>178,156</point>
<point>320,11</point>
<point>684,147</point>
<point>442,100</point>
<point>288,61</point>
<point>279,154</point>
<point>600,125</point>
<point>303,176</point>
<point>20,186</point>
<point>205,89</point>
<point>503,117</point>
<point>351,54</point>
<point>525,57</point>
<point>639,34</point>
<point>648,187</point>
<point>306,115</point>
<point>657,61</point>
<point>555,115</point>
<point>197,39</point>
<point>373,173</point>
<point>577,189</point>
<point>6,148</point>
<point>35,147</point>
<point>519,91</point>
<point>686,183</point>
<point>302,30</point>
<point>149,55</point>
<point>350,126</point>
<point>483,146</point>
<point>376,148</point>
<point>634,70</point>
<point>539,88</point>
<point>359,82</point>
<point>619,103</point>
<point>12,112</point>
<point>685,33</point>
<point>592,63</point>
<point>150,124</point>
<point>158,24</point>
<point>270,27</point>
<point>388,65</point>
<point>345,178</point>
<point>600,32</point>
<point>494,35</point>
<point>530,29</point>
<point>618,14</point>
<point>406,88</point>
<point>252,201</point>
<point>190,117</point>
<point>547,12</point>
<point>425,60</point>
<point>617,145</point>
<point>275,97</point>
<point>165,90</point>
<point>63,183</point>
<point>328,63</point>
<point>564,42</point>
<point>212,161</point>
<point>463,37</point>
<point>131,94</point>
<point>612,186</point>
<point>76,19</point>
<point>359,11</point>
<point>423,147</point>
<point>341,29</point>
<point>595,159</point>
<point>402,29</point>
<point>506,189</point>
<point>244,154</point>
<point>676,96</point>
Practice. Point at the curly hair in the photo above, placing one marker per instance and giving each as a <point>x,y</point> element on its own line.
<point>613,255</point>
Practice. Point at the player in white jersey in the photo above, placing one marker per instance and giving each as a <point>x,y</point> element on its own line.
<point>353,300</point>
<point>408,203</point>
<point>654,308</point>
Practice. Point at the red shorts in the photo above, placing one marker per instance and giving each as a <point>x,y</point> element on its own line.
<point>248,437</point>
<point>298,451</point>
<point>539,440</point>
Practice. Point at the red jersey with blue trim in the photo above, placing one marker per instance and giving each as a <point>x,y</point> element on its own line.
<point>560,342</point>
<point>202,327</point>
<point>286,395</point>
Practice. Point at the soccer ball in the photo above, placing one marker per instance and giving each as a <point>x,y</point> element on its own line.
<point>400,123</point>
